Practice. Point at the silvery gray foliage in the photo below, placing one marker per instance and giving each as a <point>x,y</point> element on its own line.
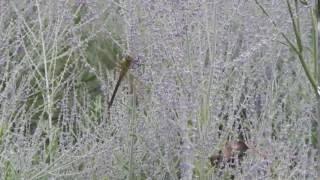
<point>208,71</point>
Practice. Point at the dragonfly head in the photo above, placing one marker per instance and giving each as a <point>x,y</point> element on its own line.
<point>134,62</point>
<point>127,61</point>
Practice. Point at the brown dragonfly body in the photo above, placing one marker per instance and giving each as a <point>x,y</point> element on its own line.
<point>124,67</point>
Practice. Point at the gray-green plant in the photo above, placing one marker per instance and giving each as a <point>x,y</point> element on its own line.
<point>204,62</point>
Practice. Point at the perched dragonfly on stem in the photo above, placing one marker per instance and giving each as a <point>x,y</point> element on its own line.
<point>124,68</point>
<point>103,53</point>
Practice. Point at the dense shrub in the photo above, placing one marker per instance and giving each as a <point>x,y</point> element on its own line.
<point>203,74</point>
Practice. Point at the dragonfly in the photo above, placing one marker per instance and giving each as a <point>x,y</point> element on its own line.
<point>104,53</point>
<point>124,68</point>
